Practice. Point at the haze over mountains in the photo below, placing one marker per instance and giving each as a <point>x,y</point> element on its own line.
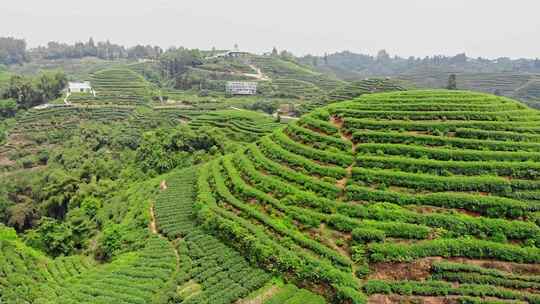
<point>420,28</point>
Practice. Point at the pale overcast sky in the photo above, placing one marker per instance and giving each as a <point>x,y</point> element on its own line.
<point>488,28</point>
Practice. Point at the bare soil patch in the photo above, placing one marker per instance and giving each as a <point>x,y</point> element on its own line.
<point>259,299</point>
<point>518,268</point>
<point>153,225</point>
<point>390,299</point>
<point>337,121</point>
<point>418,270</point>
<point>163,185</point>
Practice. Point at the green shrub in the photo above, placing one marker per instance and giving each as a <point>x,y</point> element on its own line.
<point>366,235</point>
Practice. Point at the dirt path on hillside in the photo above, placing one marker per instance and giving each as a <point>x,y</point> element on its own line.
<point>154,230</point>
<point>269,115</point>
<point>338,123</point>
<point>390,299</point>
<point>258,76</point>
<point>154,227</point>
<point>163,185</point>
<point>259,299</point>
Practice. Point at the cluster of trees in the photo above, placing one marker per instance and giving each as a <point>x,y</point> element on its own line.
<point>175,63</point>
<point>12,50</point>
<point>266,106</point>
<point>384,64</point>
<point>165,149</point>
<point>58,209</point>
<point>24,92</point>
<point>102,49</point>
<point>284,54</point>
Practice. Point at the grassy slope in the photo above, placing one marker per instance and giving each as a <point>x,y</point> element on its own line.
<point>76,69</point>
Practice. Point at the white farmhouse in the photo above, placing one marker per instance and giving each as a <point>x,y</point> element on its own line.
<point>241,88</point>
<point>79,87</point>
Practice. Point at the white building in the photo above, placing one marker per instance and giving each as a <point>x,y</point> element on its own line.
<point>79,87</point>
<point>241,88</point>
<point>230,54</point>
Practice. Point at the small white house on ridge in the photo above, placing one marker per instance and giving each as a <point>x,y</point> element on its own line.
<point>79,87</point>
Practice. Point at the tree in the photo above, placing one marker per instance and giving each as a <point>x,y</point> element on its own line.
<point>165,149</point>
<point>22,215</point>
<point>90,206</point>
<point>266,106</point>
<point>29,92</point>
<point>286,55</point>
<point>59,186</point>
<point>8,108</point>
<point>12,50</point>
<point>174,63</point>
<point>51,84</point>
<point>459,59</point>
<point>383,56</point>
<point>22,90</point>
<point>275,52</point>
<point>110,242</point>
<point>278,117</point>
<point>91,49</point>
<point>452,83</point>
<point>52,237</point>
<point>82,227</point>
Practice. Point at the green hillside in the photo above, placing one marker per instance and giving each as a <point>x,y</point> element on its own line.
<point>511,84</point>
<point>419,193</point>
<point>76,68</point>
<point>290,78</point>
<point>367,86</point>
<point>39,130</point>
<point>162,256</point>
<point>530,90</point>
<point>4,76</point>
<point>352,90</point>
<point>245,126</point>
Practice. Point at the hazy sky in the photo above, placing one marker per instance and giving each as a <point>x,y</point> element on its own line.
<point>489,28</point>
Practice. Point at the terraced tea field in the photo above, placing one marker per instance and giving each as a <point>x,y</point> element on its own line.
<point>403,196</point>
<point>116,86</point>
<point>293,79</point>
<point>367,86</point>
<point>239,125</point>
<point>296,89</point>
<point>353,90</point>
<point>524,86</point>
<point>39,128</point>
<point>210,271</point>
<point>135,277</point>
